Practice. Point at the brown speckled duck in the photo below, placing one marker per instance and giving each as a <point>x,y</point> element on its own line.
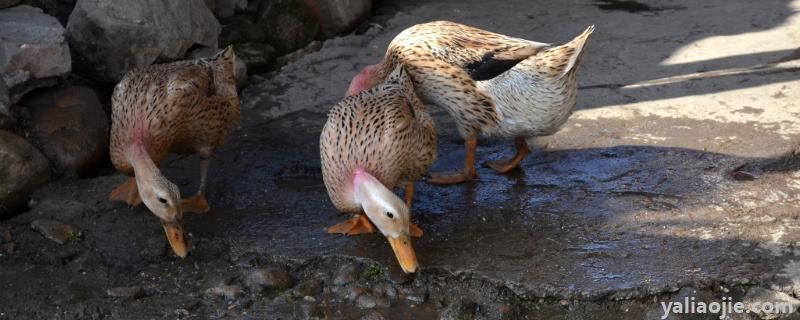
<point>489,83</point>
<point>374,141</point>
<point>182,107</point>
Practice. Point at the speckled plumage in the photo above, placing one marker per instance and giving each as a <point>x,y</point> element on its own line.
<point>385,131</point>
<point>182,107</point>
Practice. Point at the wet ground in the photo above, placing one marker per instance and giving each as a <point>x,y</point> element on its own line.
<point>680,171</point>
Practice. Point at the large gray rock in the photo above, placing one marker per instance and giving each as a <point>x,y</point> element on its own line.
<point>33,46</point>
<point>57,8</point>
<point>6,118</point>
<point>8,3</point>
<point>71,128</point>
<point>110,37</point>
<point>23,169</point>
<point>338,17</point>
<point>291,24</point>
<point>226,8</point>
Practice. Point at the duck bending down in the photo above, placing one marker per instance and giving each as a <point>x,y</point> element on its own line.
<point>182,107</point>
<point>491,84</point>
<point>372,142</point>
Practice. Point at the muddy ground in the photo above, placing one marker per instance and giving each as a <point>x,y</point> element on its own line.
<point>678,176</point>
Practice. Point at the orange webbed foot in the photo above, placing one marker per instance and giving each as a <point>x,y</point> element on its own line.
<point>127,192</point>
<point>359,224</point>
<point>451,177</point>
<point>503,165</point>
<point>195,204</point>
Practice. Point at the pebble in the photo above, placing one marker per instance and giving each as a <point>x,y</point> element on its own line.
<point>310,287</point>
<point>346,274</point>
<point>308,310</point>
<point>126,293</point>
<point>374,315</point>
<point>743,176</point>
<point>268,280</point>
<point>229,292</point>
<point>460,310</point>
<point>54,230</point>
<point>369,301</point>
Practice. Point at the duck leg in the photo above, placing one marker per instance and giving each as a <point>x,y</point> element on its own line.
<point>198,202</point>
<point>505,165</point>
<point>467,174</point>
<point>408,194</point>
<point>358,224</point>
<point>128,192</point>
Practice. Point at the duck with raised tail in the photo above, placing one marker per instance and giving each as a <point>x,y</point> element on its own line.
<point>182,107</point>
<point>372,142</point>
<point>491,84</point>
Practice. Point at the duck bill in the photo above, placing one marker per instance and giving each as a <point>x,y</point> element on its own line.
<point>404,252</point>
<point>174,232</point>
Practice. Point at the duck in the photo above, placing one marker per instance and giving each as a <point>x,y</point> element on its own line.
<point>186,107</point>
<point>491,84</point>
<point>373,142</point>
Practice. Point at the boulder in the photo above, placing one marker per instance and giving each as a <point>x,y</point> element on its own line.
<point>8,3</point>
<point>6,118</point>
<point>240,29</point>
<point>259,57</point>
<point>71,128</point>
<point>290,24</point>
<point>207,52</point>
<point>23,168</point>
<point>110,37</point>
<point>338,17</point>
<point>226,8</point>
<point>33,46</point>
<point>57,8</point>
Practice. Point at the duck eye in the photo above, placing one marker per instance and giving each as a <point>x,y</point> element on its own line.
<point>390,215</point>
<point>162,200</point>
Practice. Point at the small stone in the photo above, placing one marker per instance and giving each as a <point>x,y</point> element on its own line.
<point>54,230</point>
<point>374,315</point>
<point>310,287</point>
<point>126,293</point>
<point>346,274</point>
<point>268,280</point>
<point>369,301</point>
<point>784,304</point>
<point>308,310</point>
<point>229,292</point>
<point>743,175</point>
<point>460,310</point>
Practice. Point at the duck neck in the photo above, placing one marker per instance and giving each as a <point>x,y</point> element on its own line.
<point>145,170</point>
<point>367,189</point>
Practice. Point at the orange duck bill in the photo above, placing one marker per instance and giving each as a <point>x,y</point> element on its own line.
<point>404,252</point>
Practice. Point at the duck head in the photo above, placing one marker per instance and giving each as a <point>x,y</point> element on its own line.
<point>162,197</point>
<point>389,213</point>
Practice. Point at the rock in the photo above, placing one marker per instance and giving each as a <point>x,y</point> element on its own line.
<point>23,168</point>
<point>57,8</point>
<point>299,53</point>
<point>308,310</point>
<point>374,315</point>
<point>33,46</point>
<point>126,293</point>
<point>54,230</point>
<point>346,274</point>
<point>757,299</point>
<point>258,57</point>
<point>229,292</point>
<point>226,8</point>
<point>111,37</point>
<point>240,29</point>
<point>310,288</point>
<point>460,310</point>
<point>743,175</point>
<point>369,301</point>
<point>71,128</point>
<point>6,117</point>
<point>338,17</point>
<point>8,3</point>
<point>206,52</point>
<point>268,280</point>
<point>291,24</point>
